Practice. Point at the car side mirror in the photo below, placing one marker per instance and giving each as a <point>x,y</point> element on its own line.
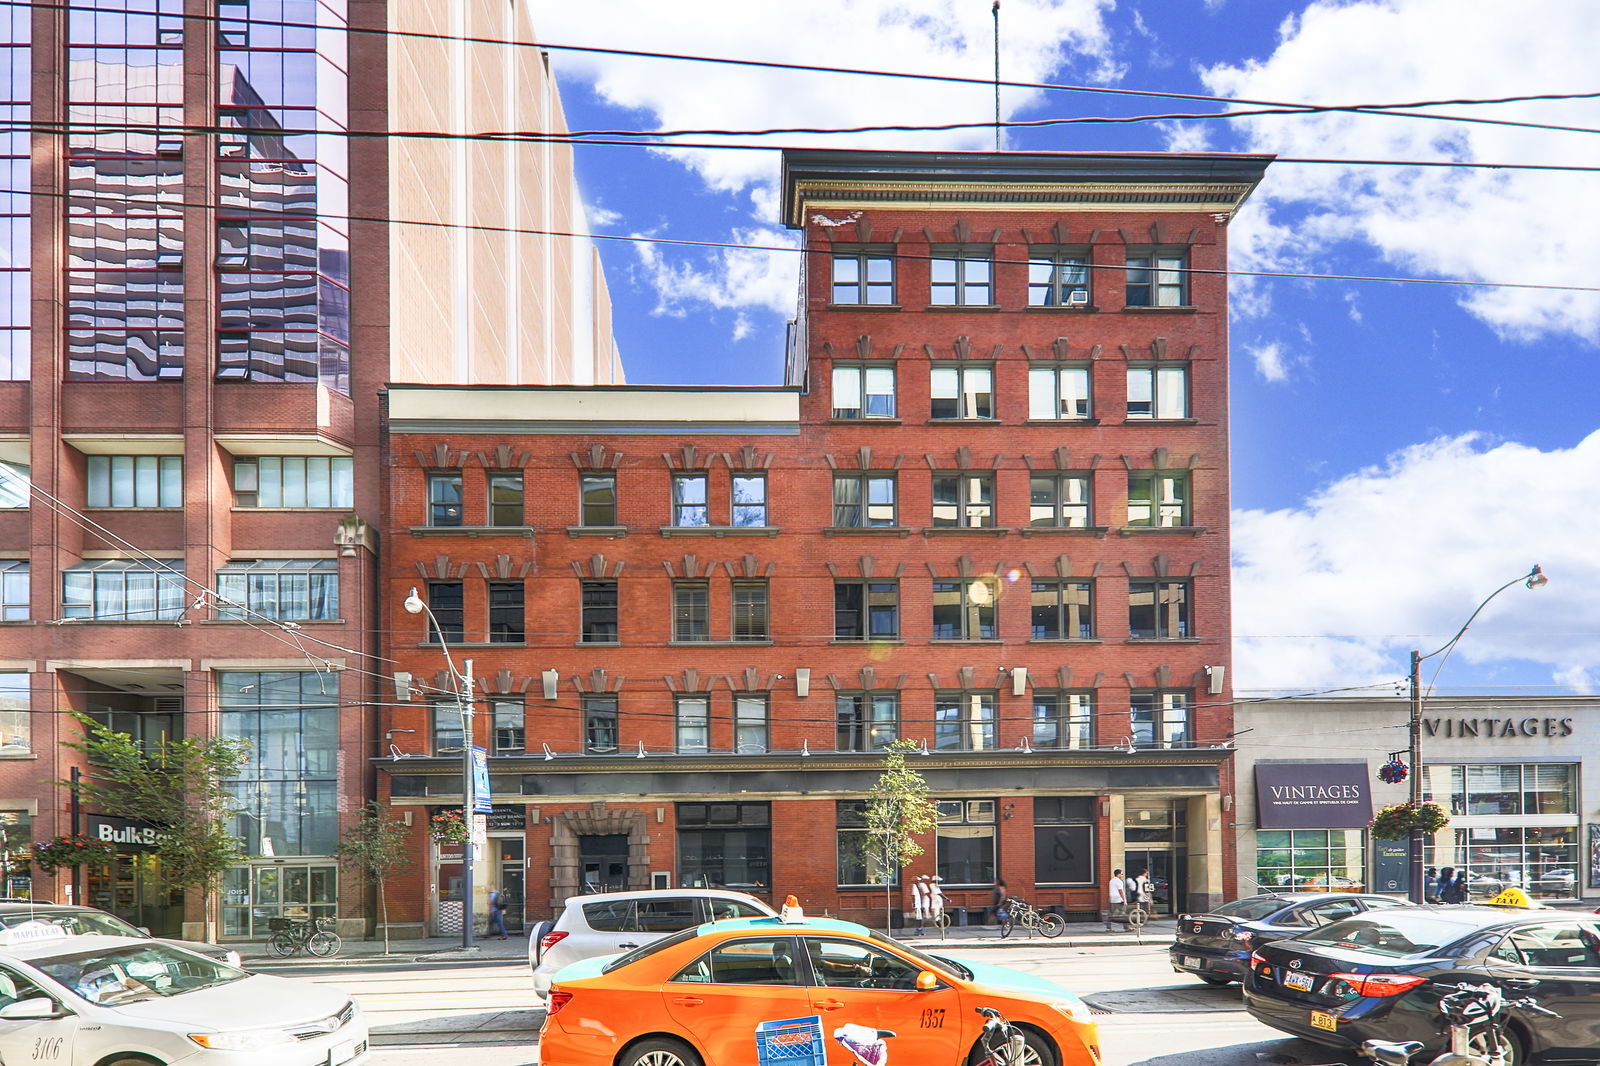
<point>27,1010</point>
<point>927,981</point>
<point>145,929</point>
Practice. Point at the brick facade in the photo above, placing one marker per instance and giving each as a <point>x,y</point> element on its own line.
<point>1136,787</point>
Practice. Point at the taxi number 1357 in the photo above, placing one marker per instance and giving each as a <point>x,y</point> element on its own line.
<point>933,1018</point>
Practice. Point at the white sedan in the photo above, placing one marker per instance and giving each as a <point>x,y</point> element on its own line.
<point>124,1001</point>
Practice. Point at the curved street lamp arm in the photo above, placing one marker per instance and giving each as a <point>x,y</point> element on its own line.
<point>1527,578</point>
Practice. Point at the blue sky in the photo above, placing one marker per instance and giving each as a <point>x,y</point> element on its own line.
<point>1400,450</point>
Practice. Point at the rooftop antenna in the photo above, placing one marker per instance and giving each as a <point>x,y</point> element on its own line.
<point>996,10</point>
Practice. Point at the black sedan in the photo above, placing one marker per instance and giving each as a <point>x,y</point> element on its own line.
<point>1380,976</point>
<point>1216,946</point>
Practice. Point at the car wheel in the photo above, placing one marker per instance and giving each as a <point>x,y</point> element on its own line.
<point>1036,1053</point>
<point>659,1051</point>
<point>1214,979</point>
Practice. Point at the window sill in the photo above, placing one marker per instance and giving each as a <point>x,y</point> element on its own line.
<point>851,642</point>
<point>597,644</point>
<point>1062,422</point>
<point>1164,640</point>
<point>472,531</point>
<point>124,510</point>
<point>963,307</point>
<point>1182,309</point>
<point>1135,420</point>
<point>1063,531</point>
<point>455,644</point>
<point>962,422</point>
<point>864,307</point>
<point>719,531</point>
<point>864,422</point>
<point>165,623</point>
<point>720,643</point>
<point>6,756</point>
<point>1067,309</point>
<point>866,531</point>
<point>977,531</point>
<point>258,620</point>
<point>291,510</point>
<point>597,531</point>
<point>966,640</point>
<point>1145,531</point>
<point>1065,640</point>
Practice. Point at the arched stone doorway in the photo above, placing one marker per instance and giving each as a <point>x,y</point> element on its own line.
<point>566,847</point>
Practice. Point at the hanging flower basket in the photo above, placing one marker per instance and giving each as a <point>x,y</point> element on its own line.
<point>1398,820</point>
<point>448,827</point>
<point>71,850</point>
<point>1393,772</point>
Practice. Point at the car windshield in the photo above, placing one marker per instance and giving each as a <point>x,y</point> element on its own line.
<point>75,922</point>
<point>136,971</point>
<point>645,950</point>
<point>1395,935</point>
<point>931,962</point>
<point>1251,910</point>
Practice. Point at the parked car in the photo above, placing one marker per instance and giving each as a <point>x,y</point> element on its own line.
<point>1380,975</point>
<point>608,922</point>
<point>94,920</point>
<point>93,998</point>
<point>710,996</point>
<point>1216,946</point>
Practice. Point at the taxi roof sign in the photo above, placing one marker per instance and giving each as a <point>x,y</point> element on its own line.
<point>31,933</point>
<point>1512,897</point>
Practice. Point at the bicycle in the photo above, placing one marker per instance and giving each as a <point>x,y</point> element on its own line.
<point>1021,912</point>
<point>1474,1016</point>
<point>316,935</point>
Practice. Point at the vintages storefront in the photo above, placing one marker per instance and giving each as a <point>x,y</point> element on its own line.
<point>1511,772</point>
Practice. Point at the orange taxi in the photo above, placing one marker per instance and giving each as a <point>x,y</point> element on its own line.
<point>721,994</point>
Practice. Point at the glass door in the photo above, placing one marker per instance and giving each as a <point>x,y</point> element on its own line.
<point>512,880</point>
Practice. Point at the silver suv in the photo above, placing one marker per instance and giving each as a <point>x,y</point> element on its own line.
<point>609,922</point>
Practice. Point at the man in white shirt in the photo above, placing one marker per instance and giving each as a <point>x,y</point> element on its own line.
<point>1144,889</point>
<point>1117,900</point>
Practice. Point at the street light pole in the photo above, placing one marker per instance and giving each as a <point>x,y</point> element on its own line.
<point>463,684</point>
<point>1533,579</point>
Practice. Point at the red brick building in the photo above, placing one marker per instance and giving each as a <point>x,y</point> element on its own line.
<point>988,512</point>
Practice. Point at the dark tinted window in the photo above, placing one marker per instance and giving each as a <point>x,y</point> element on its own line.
<point>666,915</point>
<point>1250,910</point>
<point>1331,911</point>
<point>732,908</point>
<point>1395,935</point>
<point>612,916</point>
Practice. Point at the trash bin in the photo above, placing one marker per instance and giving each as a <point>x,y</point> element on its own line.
<point>958,915</point>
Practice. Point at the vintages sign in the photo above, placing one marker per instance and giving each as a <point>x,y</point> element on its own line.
<point>1313,795</point>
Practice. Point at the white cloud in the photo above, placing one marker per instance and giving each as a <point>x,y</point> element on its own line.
<point>1040,38</point>
<point>724,277</point>
<point>1270,363</point>
<point>1395,558</point>
<point>1482,225</point>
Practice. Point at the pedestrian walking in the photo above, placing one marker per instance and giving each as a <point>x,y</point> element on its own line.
<point>1117,900</point>
<point>936,901</point>
<point>1002,897</point>
<point>497,914</point>
<point>919,901</point>
<point>1144,889</point>
<point>1430,885</point>
<point>1452,885</point>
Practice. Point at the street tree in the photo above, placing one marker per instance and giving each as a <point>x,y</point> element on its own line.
<point>375,844</point>
<point>900,808</point>
<point>179,788</point>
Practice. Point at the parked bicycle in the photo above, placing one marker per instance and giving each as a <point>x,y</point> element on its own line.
<point>316,935</point>
<point>1003,1044</point>
<point>1020,912</point>
<point>1475,1018</point>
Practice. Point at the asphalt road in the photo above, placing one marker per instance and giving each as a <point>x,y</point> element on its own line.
<point>1148,1015</point>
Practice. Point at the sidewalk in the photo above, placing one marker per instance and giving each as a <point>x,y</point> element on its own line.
<point>515,949</point>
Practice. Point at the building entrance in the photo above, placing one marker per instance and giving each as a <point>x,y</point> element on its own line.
<point>132,887</point>
<point>604,862</point>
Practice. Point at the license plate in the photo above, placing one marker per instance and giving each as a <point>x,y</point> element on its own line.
<point>341,1053</point>
<point>1300,982</point>
<point>1321,1019</point>
<point>1192,962</point>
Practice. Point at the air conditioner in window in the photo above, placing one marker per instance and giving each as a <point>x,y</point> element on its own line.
<point>1078,297</point>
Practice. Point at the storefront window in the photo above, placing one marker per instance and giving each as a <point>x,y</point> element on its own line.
<point>16,845</point>
<point>1311,860</point>
<point>1063,840</point>
<point>859,861</point>
<point>1542,860</point>
<point>16,733</point>
<point>287,790</point>
<point>725,845</point>
<point>1503,788</point>
<point>965,842</point>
